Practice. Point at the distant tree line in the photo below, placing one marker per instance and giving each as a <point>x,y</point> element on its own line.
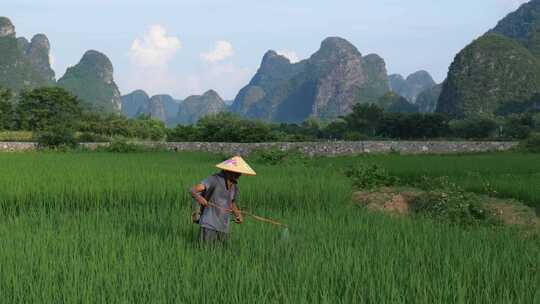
<point>366,121</point>
<point>55,115</point>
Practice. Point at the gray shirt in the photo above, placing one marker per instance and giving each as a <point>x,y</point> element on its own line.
<point>216,192</point>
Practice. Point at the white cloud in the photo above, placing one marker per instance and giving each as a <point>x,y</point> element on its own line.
<point>291,55</point>
<point>51,60</point>
<point>155,49</point>
<point>226,78</point>
<point>152,72</point>
<point>222,50</point>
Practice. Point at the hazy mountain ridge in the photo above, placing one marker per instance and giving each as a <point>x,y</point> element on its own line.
<point>412,86</point>
<point>171,111</point>
<point>427,99</point>
<point>324,86</point>
<point>197,106</point>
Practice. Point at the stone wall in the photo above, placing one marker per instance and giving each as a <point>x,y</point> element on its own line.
<point>16,146</point>
<point>316,148</point>
<point>349,148</point>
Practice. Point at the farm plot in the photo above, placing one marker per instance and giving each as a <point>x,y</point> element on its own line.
<point>114,228</point>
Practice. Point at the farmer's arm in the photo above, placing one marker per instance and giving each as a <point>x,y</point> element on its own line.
<point>237,214</point>
<point>196,194</point>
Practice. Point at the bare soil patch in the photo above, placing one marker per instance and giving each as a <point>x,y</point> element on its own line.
<point>397,201</point>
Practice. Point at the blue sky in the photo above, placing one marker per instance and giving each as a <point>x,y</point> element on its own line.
<point>187,47</point>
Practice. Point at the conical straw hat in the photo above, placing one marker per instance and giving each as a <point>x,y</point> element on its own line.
<point>236,164</point>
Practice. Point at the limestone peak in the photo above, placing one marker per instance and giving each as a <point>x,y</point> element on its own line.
<point>7,29</point>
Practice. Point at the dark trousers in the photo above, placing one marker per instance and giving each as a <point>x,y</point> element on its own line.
<point>209,236</point>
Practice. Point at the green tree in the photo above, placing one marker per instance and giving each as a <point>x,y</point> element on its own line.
<point>6,109</point>
<point>183,133</point>
<point>229,127</point>
<point>147,128</point>
<point>335,130</point>
<point>48,108</point>
<point>474,128</point>
<point>518,126</point>
<point>364,118</point>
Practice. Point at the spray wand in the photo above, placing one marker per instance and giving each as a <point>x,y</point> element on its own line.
<point>285,232</point>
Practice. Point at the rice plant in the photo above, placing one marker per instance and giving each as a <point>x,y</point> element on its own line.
<point>115,228</point>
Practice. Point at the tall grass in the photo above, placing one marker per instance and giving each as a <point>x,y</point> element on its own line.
<point>506,175</point>
<point>114,228</point>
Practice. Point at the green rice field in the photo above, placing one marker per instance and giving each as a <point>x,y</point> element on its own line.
<point>115,228</point>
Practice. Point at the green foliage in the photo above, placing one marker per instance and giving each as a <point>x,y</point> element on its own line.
<point>122,146</point>
<point>88,137</point>
<point>446,200</point>
<point>56,138</point>
<point>531,144</point>
<point>148,128</point>
<point>276,156</point>
<point>453,205</point>
<point>45,108</point>
<point>370,177</point>
<point>407,126</point>
<point>110,125</point>
<point>335,130</point>
<point>474,128</point>
<point>182,133</point>
<point>518,126</point>
<point>354,136</point>
<point>529,105</point>
<point>364,118</point>
<point>6,109</point>
<point>228,127</point>
<point>307,131</point>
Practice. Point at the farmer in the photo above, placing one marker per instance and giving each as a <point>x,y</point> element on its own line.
<point>216,198</point>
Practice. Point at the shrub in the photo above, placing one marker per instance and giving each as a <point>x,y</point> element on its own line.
<point>6,109</point>
<point>531,144</point>
<point>182,133</point>
<point>276,156</point>
<point>42,109</point>
<point>474,128</point>
<point>371,176</point>
<point>122,146</point>
<point>518,126</point>
<point>56,138</point>
<point>92,137</point>
<point>455,206</point>
<point>354,136</point>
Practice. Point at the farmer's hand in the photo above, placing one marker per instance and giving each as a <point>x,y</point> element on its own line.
<point>238,218</point>
<point>203,202</point>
